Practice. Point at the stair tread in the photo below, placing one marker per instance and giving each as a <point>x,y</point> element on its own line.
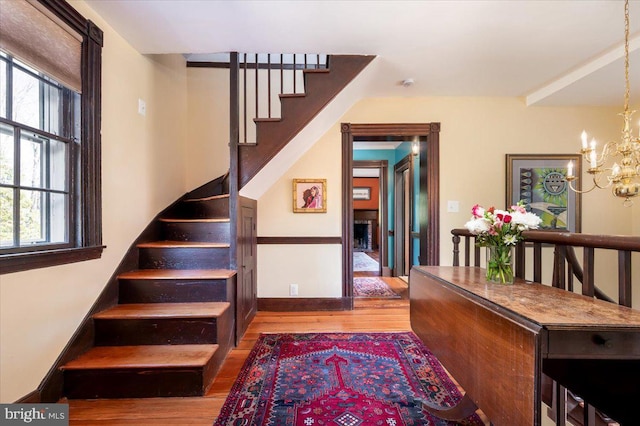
<point>204,220</point>
<point>266,120</point>
<point>164,310</point>
<point>212,197</point>
<point>182,244</point>
<point>292,95</point>
<point>170,274</point>
<point>143,356</point>
<point>316,70</point>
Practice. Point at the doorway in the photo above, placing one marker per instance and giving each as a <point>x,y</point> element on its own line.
<point>403,206</point>
<point>427,217</point>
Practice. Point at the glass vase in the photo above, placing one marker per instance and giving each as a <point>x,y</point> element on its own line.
<point>500,264</point>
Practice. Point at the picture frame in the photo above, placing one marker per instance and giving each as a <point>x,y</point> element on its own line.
<point>540,181</point>
<point>309,195</point>
<point>362,193</point>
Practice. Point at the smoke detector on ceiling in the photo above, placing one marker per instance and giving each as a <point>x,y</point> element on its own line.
<point>407,82</point>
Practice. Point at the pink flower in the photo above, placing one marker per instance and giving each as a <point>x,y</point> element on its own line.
<point>518,208</point>
<point>477,211</point>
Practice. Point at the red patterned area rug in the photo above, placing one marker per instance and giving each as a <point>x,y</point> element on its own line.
<point>343,379</point>
<point>372,287</point>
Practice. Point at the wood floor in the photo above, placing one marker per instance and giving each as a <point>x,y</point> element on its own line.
<point>368,316</point>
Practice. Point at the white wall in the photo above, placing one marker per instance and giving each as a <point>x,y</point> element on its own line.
<point>143,171</point>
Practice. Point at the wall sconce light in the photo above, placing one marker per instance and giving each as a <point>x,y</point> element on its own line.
<point>415,148</point>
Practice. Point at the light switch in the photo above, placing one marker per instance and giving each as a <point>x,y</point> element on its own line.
<point>453,206</point>
<point>142,107</point>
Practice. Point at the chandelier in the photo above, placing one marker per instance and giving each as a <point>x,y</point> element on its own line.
<point>624,176</point>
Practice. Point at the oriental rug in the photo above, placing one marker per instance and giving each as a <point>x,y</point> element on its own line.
<point>372,287</point>
<point>363,262</point>
<point>340,379</point>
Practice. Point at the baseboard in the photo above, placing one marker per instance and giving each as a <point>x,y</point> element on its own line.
<point>387,272</point>
<point>297,304</point>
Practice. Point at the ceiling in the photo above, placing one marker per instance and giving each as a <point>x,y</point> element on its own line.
<point>555,52</point>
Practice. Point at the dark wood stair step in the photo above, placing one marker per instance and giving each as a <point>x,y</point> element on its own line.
<point>181,244</point>
<point>141,372</point>
<point>164,310</point>
<point>184,274</point>
<point>216,230</point>
<point>183,255</point>
<point>210,198</point>
<point>143,356</point>
<point>176,285</point>
<point>163,324</point>
<point>202,220</point>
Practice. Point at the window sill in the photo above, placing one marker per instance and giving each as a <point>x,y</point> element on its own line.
<point>10,263</point>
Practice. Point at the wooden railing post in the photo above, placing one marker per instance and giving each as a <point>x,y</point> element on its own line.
<point>234,135</point>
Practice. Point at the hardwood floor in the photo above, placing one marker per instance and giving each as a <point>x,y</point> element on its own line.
<point>368,316</point>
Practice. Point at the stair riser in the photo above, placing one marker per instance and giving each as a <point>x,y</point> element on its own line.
<point>173,291</point>
<point>216,208</point>
<point>214,232</point>
<point>184,258</point>
<point>138,382</point>
<point>172,331</point>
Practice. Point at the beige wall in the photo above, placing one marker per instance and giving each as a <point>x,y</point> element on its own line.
<point>143,170</point>
<point>317,269</point>
<point>475,136</point>
<point>207,141</point>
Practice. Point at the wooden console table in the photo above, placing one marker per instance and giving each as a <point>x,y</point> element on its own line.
<point>497,340</point>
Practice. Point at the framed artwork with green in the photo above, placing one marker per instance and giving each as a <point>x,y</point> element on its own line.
<point>539,180</point>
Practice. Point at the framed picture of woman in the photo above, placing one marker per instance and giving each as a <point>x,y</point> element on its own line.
<point>309,195</point>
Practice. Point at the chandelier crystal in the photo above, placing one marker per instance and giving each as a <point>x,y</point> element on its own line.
<point>623,176</point>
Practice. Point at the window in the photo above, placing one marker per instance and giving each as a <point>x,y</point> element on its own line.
<point>49,137</point>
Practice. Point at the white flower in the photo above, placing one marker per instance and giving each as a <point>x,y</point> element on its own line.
<point>477,226</point>
<point>510,240</point>
<point>525,221</point>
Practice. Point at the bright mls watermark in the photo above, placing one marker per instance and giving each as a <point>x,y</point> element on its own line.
<point>34,414</point>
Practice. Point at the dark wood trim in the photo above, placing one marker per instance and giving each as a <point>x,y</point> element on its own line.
<point>261,65</point>
<point>32,397</point>
<point>430,197</point>
<point>429,188</point>
<point>407,163</point>
<point>234,139</point>
<point>294,304</point>
<point>347,212</point>
<point>299,240</point>
<point>86,237</point>
<point>10,263</point>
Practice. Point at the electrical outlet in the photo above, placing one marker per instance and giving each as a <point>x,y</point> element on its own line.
<point>293,289</point>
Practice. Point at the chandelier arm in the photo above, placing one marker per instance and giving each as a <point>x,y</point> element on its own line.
<point>569,181</point>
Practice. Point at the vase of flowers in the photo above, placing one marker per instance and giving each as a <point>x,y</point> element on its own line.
<point>500,231</point>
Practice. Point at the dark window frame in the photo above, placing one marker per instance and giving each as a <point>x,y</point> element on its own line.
<point>85,183</point>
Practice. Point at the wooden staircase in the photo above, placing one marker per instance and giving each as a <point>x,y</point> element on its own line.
<point>297,110</point>
<point>175,318</point>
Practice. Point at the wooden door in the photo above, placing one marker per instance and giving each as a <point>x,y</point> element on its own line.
<point>247,292</point>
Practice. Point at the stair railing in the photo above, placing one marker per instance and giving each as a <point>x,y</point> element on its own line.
<point>565,406</point>
<point>263,79</point>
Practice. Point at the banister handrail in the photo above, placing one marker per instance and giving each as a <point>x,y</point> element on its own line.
<point>564,255</point>
<point>611,242</point>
